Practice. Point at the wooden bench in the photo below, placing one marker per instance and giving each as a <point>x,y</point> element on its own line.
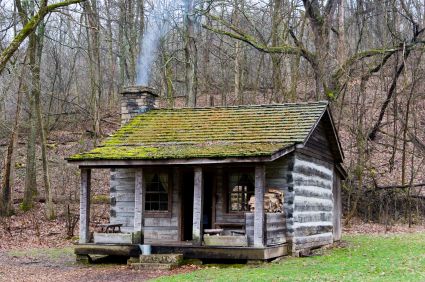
<point>212,232</point>
<point>237,232</point>
<point>229,225</point>
<point>110,228</point>
<point>233,228</point>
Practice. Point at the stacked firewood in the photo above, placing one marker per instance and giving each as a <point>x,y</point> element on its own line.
<point>273,201</point>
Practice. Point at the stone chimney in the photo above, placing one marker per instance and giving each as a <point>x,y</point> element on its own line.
<point>136,100</point>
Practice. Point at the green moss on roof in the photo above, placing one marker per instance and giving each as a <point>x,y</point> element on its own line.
<point>219,132</point>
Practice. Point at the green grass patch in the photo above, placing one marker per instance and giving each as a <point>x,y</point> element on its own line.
<point>366,258</point>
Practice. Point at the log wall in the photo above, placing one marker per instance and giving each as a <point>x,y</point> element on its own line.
<point>155,227</point>
<point>313,203</point>
<point>122,198</point>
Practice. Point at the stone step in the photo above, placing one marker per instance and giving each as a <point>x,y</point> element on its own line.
<point>153,266</point>
<point>162,258</point>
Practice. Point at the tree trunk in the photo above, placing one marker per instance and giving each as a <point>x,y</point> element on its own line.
<point>35,62</point>
<point>111,56</point>
<point>278,92</point>
<point>238,73</point>
<point>167,77</point>
<point>341,52</point>
<point>93,26</point>
<point>30,189</point>
<point>190,54</point>
<point>6,201</point>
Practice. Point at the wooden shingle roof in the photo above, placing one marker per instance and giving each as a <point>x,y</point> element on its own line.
<point>217,132</point>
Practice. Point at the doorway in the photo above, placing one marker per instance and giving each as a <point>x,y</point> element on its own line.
<point>187,183</point>
<point>187,204</point>
<point>208,200</point>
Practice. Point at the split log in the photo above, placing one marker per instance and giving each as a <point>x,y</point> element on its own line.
<point>273,201</point>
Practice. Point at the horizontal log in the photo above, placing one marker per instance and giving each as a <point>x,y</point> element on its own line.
<point>130,182</point>
<point>126,221</point>
<point>157,221</point>
<point>304,242</point>
<point>157,234</point>
<point>123,197</point>
<point>304,181</point>
<point>121,188</point>
<point>123,208</point>
<point>312,216</point>
<point>312,230</point>
<point>308,171</point>
<point>312,204</point>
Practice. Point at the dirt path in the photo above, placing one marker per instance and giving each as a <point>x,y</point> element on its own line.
<point>43,266</point>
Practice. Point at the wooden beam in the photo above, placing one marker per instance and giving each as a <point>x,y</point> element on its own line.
<point>85,206</point>
<point>259,222</point>
<point>139,201</point>
<point>198,196</point>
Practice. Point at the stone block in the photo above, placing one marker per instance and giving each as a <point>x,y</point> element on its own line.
<point>231,241</point>
<point>162,258</point>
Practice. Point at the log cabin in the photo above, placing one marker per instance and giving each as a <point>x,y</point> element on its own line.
<point>201,181</point>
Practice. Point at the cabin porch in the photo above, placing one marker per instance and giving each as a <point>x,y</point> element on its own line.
<point>188,250</point>
<point>196,209</point>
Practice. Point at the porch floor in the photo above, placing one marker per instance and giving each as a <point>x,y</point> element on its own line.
<point>188,250</point>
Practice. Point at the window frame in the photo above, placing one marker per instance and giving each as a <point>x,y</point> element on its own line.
<point>158,213</point>
<point>228,189</point>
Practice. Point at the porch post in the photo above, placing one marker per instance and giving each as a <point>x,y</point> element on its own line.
<point>85,205</point>
<point>198,192</point>
<point>259,221</point>
<point>139,202</point>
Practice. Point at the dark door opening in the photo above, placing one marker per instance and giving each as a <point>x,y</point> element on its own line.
<point>208,202</point>
<point>187,205</point>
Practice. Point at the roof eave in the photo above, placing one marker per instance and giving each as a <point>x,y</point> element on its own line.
<point>100,163</point>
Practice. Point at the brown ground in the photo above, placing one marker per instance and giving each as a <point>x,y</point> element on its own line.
<point>36,267</point>
<point>33,248</point>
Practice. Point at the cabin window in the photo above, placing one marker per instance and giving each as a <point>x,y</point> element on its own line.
<point>157,189</point>
<point>241,188</point>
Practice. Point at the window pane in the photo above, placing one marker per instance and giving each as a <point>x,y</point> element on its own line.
<point>163,198</point>
<point>156,192</point>
<point>241,188</point>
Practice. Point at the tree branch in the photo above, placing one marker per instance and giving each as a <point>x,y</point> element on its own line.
<point>28,28</point>
<point>283,49</point>
<point>377,188</point>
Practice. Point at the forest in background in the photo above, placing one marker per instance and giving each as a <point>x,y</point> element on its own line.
<point>62,65</point>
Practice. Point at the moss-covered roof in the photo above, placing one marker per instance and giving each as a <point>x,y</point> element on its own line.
<point>218,132</point>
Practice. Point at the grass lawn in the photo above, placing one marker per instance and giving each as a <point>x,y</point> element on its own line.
<point>366,258</point>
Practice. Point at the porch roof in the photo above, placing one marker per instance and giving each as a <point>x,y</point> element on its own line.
<point>217,132</point>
